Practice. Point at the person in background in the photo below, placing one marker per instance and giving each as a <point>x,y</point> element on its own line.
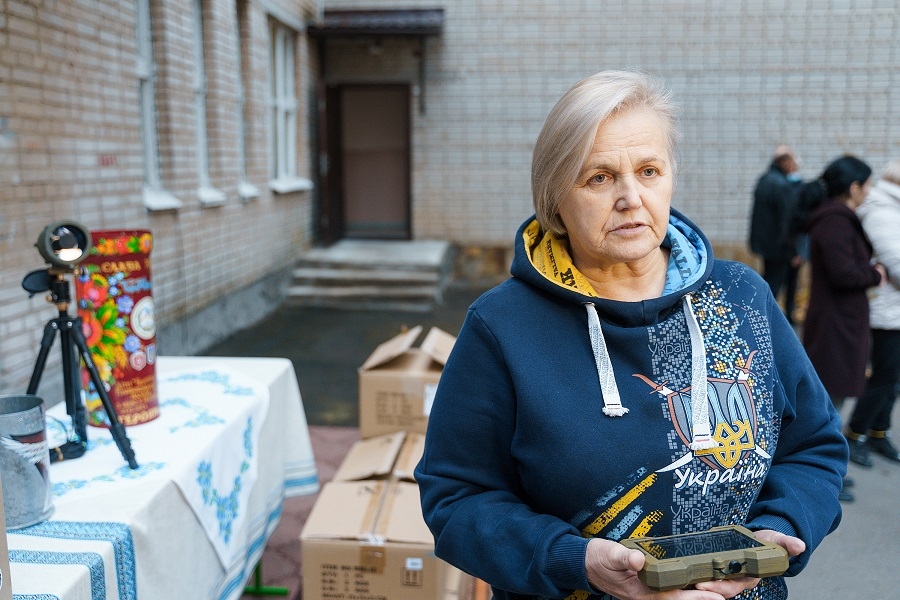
<point>623,382</point>
<point>836,329</point>
<point>870,422</point>
<point>773,201</point>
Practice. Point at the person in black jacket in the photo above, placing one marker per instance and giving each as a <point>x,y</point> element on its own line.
<point>770,238</point>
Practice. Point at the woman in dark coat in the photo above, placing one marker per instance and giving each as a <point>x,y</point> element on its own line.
<point>836,330</point>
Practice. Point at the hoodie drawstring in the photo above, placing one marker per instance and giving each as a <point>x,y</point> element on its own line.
<point>701,437</point>
<point>612,402</point>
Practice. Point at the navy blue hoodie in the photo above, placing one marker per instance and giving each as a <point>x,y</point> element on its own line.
<point>561,416</point>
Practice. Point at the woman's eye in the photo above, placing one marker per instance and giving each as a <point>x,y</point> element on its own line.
<point>650,171</point>
<point>599,178</point>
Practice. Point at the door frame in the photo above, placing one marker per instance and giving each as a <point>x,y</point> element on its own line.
<point>332,222</point>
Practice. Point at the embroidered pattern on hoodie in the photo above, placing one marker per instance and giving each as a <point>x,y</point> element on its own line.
<point>713,486</point>
<point>709,487</point>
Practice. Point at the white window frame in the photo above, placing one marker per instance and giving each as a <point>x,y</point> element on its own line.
<point>208,195</point>
<point>283,107</point>
<point>155,197</point>
<point>246,190</point>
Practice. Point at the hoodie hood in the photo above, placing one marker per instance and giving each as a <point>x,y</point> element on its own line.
<point>542,259</point>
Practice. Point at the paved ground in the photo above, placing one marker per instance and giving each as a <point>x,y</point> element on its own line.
<point>326,346</point>
<point>860,560</point>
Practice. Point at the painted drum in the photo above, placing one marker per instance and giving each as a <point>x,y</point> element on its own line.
<point>115,303</point>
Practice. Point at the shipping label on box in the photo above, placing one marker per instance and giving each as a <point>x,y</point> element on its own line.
<point>366,540</point>
<point>397,382</point>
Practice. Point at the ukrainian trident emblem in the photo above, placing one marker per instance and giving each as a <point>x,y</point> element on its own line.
<point>732,415</point>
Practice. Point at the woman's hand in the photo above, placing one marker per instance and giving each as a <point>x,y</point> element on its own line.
<point>793,545</point>
<point>612,568</point>
<point>883,272</point>
<point>732,587</point>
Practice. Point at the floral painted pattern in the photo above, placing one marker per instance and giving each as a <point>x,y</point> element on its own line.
<point>123,244</point>
<point>113,303</point>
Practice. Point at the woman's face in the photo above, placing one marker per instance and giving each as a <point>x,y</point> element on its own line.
<point>858,193</point>
<point>618,210</point>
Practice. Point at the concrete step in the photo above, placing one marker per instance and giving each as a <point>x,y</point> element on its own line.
<point>353,304</point>
<point>357,297</point>
<point>401,255</point>
<point>354,291</point>
<point>326,275</point>
<point>360,274</point>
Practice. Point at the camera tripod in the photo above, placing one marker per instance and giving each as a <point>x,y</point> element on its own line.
<point>74,346</point>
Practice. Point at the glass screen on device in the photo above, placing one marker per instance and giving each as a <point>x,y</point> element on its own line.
<point>698,543</point>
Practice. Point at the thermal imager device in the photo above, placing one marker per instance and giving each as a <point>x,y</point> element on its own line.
<point>676,561</point>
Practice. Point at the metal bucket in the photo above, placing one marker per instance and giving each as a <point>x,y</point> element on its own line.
<point>24,461</point>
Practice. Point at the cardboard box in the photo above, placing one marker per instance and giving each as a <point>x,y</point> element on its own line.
<point>389,456</point>
<point>453,584</point>
<point>366,540</point>
<point>397,382</point>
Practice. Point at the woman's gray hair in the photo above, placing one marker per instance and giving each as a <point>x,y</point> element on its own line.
<point>571,127</point>
<point>891,172</point>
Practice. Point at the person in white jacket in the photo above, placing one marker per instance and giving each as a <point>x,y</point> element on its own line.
<point>869,426</point>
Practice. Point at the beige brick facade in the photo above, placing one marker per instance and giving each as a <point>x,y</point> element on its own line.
<point>70,148</point>
<point>822,76</point>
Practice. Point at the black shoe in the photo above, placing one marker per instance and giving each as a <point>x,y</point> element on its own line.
<point>859,452</point>
<point>845,496</point>
<point>884,447</point>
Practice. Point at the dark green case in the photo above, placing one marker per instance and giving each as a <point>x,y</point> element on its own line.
<point>677,561</point>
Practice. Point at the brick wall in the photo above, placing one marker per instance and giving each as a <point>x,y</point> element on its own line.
<point>821,76</point>
<point>70,148</point>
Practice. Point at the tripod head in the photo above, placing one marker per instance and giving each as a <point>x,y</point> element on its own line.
<point>63,245</point>
<point>50,280</point>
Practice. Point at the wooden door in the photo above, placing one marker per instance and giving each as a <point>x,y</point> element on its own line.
<point>375,161</point>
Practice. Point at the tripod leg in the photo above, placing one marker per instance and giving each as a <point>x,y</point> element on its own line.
<point>116,429</point>
<point>71,448</point>
<point>46,343</point>
<point>72,383</point>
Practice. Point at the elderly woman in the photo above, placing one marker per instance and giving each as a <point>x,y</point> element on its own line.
<point>622,383</point>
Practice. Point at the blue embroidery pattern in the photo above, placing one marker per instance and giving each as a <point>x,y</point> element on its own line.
<point>203,417</point>
<point>63,487</point>
<point>217,378</point>
<point>35,597</point>
<point>118,534</point>
<point>92,560</point>
<point>254,553</point>
<point>226,506</point>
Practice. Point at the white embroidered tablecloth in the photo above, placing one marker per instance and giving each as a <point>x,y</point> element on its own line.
<point>192,521</point>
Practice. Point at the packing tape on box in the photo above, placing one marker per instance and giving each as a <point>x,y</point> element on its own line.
<point>372,556</point>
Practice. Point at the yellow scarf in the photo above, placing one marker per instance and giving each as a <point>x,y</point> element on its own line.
<point>549,254</point>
